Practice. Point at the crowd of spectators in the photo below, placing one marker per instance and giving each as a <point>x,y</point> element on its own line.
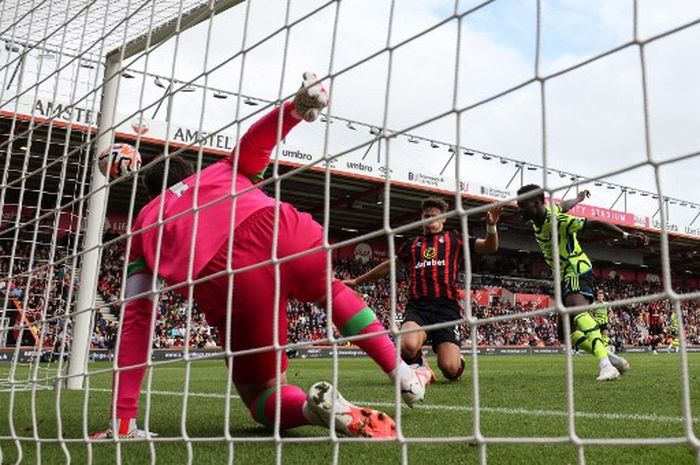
<point>41,293</point>
<point>44,313</point>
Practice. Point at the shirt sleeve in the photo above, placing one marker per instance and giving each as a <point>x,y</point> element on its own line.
<point>405,251</point>
<point>133,347</point>
<point>458,239</point>
<point>136,262</point>
<point>135,332</point>
<point>257,143</point>
<point>572,223</point>
<point>456,236</point>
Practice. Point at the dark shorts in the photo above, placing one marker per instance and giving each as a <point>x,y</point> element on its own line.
<point>582,284</point>
<point>656,330</point>
<point>430,311</point>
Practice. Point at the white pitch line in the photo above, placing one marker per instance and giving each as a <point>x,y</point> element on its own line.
<point>458,408</point>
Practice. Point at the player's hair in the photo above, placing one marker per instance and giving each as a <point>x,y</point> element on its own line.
<point>532,187</point>
<point>434,202</point>
<point>178,170</point>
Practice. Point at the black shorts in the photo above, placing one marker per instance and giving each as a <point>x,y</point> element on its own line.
<point>656,330</point>
<point>560,326</point>
<point>430,311</point>
<point>582,284</point>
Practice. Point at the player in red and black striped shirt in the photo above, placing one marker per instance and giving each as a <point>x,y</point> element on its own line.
<point>433,259</point>
<point>656,328</point>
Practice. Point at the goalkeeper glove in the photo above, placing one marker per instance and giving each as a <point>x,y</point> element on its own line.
<point>310,99</point>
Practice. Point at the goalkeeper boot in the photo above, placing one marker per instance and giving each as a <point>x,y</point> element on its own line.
<point>413,387</point>
<point>127,430</point>
<point>324,405</point>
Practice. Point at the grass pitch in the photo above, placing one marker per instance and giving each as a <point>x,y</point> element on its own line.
<point>520,396</point>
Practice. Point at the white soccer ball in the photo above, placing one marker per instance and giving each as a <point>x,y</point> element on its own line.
<point>119,160</point>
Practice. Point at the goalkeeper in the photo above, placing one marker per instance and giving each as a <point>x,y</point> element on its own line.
<point>252,313</point>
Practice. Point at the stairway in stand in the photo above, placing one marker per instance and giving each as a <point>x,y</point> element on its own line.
<point>105,310</point>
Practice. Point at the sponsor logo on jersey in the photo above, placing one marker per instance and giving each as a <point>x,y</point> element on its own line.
<point>179,188</point>
<point>429,263</point>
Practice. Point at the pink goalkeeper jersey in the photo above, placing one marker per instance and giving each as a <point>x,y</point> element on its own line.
<point>214,221</point>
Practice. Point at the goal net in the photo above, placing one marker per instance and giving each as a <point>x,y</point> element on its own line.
<point>466,101</point>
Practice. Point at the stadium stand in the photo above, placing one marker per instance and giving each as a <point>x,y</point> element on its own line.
<point>307,322</point>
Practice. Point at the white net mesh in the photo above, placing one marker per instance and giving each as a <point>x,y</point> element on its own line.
<point>463,100</point>
<point>88,29</point>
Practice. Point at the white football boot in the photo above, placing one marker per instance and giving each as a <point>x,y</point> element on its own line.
<point>608,373</point>
<point>413,387</point>
<point>620,363</point>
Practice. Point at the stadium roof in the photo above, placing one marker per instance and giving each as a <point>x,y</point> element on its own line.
<point>355,203</point>
<point>95,28</point>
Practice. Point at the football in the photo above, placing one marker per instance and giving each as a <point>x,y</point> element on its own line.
<point>119,160</point>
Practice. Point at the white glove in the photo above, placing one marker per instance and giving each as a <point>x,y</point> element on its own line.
<point>310,98</point>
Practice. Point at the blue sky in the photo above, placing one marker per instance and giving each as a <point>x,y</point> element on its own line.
<point>567,27</point>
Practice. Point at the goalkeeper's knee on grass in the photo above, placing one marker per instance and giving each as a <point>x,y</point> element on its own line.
<point>292,398</point>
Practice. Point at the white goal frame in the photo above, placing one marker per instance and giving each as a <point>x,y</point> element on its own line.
<point>85,303</point>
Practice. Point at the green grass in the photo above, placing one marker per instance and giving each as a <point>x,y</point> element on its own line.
<point>521,396</point>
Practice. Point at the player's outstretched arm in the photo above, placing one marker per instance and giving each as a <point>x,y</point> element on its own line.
<point>378,272</point>
<point>489,244</point>
<point>637,238</point>
<point>257,143</point>
<point>567,205</point>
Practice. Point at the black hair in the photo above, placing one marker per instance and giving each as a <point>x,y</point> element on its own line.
<point>529,188</point>
<point>178,169</point>
<point>434,202</point>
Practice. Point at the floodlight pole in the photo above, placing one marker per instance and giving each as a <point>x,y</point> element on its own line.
<point>97,208</point>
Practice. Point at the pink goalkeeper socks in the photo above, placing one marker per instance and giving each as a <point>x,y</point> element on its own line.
<point>352,317</point>
<point>292,400</point>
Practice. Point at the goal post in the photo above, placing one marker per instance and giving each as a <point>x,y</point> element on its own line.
<point>178,24</point>
<point>97,208</point>
<point>113,65</point>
